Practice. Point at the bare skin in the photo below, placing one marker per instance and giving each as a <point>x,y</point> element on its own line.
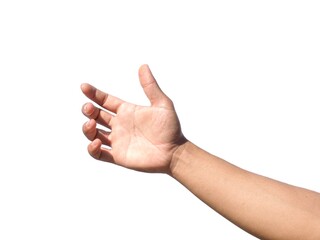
<point>142,138</point>
<point>150,139</point>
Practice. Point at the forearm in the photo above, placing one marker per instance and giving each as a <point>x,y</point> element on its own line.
<point>261,206</point>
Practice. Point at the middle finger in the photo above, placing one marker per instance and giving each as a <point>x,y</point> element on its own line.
<point>102,117</point>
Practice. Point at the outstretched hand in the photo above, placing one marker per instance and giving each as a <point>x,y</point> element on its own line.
<point>137,137</point>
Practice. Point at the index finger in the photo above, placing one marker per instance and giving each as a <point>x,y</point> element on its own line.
<point>105,100</point>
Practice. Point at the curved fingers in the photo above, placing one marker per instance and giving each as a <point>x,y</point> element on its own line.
<point>96,151</point>
<point>102,117</point>
<point>105,100</point>
<point>91,132</point>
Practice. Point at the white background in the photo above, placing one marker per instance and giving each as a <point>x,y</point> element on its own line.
<point>244,77</point>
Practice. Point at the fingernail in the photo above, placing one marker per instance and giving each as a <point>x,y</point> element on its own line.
<point>94,143</point>
<point>85,108</point>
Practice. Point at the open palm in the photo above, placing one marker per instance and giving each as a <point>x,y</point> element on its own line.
<point>140,138</point>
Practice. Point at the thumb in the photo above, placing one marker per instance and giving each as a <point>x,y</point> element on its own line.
<point>151,87</point>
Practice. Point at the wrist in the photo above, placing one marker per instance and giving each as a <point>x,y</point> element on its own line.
<point>178,156</point>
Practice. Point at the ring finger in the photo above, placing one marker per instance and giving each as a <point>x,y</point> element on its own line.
<point>91,132</point>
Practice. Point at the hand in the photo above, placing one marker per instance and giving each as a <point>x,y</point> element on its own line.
<point>138,137</point>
